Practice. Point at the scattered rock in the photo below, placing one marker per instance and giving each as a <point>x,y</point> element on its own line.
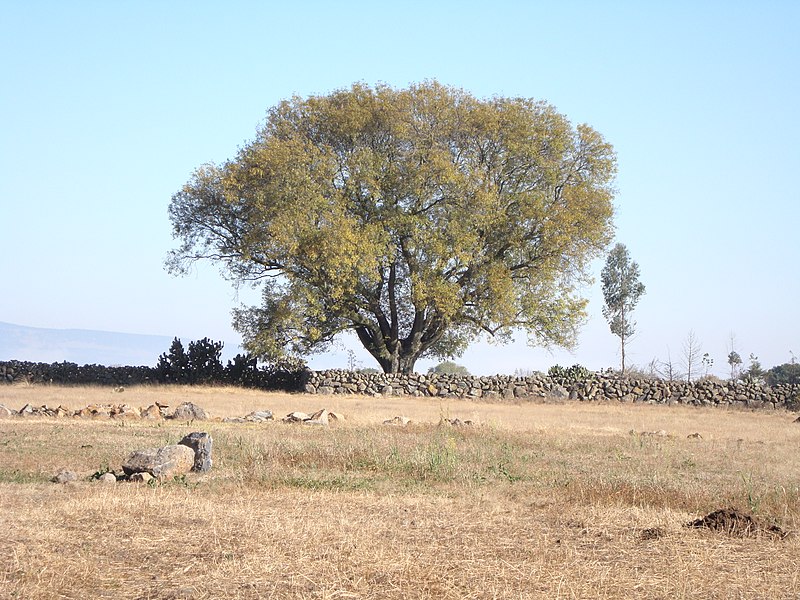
<point>152,412</point>
<point>119,389</point>
<point>65,476</point>
<point>398,420</point>
<point>259,416</point>
<point>188,411</point>
<point>164,463</point>
<point>296,417</point>
<point>318,418</point>
<point>456,422</point>
<point>733,522</point>
<point>107,478</point>
<point>200,443</point>
<point>694,436</point>
<point>658,433</point>
<point>143,477</point>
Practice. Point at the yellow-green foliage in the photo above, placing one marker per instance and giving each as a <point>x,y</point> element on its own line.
<point>416,217</point>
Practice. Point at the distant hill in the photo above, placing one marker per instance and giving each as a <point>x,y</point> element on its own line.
<point>80,346</point>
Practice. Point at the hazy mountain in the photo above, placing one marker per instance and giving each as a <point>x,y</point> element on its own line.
<point>80,346</point>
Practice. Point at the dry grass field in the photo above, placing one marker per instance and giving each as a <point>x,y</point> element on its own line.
<point>538,500</point>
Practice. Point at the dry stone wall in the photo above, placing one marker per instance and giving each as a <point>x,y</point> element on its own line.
<point>598,387</point>
<point>499,387</point>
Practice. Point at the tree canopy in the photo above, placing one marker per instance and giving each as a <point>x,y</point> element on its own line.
<point>417,218</point>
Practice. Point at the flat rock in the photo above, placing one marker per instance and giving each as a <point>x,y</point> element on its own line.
<point>259,416</point>
<point>164,463</point>
<point>296,417</point>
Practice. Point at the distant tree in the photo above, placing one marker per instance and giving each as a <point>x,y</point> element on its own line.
<point>621,292</point>
<point>449,368</point>
<point>735,362</point>
<point>417,218</point>
<point>755,372</point>
<point>692,355</point>
<point>173,366</point>
<point>204,361</point>
<point>734,359</point>
<point>708,364</point>
<point>785,373</point>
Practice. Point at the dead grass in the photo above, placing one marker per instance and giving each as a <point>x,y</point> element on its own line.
<point>540,501</point>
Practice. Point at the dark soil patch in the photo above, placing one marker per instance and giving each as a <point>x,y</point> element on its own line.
<point>733,522</point>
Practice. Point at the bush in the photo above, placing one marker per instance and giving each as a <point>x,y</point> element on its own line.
<point>573,373</point>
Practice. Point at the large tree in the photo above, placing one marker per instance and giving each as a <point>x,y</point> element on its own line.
<point>417,218</point>
<point>621,292</point>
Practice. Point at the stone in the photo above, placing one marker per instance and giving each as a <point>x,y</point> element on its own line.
<point>694,436</point>
<point>399,421</point>
<point>143,477</point>
<point>5,412</point>
<point>164,463</point>
<point>107,478</point>
<point>336,416</point>
<point>65,476</point>
<point>325,390</point>
<point>318,418</point>
<point>259,416</point>
<point>295,417</point>
<point>152,412</point>
<point>27,411</point>
<point>188,411</point>
<point>200,443</point>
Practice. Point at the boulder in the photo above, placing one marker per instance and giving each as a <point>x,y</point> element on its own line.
<point>200,443</point>
<point>187,411</point>
<point>164,463</point>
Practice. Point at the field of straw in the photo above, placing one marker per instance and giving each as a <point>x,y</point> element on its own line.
<point>536,500</point>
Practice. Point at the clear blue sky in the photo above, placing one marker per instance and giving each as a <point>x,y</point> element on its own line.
<point>108,107</point>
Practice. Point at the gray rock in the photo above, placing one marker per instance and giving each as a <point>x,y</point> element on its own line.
<point>259,416</point>
<point>65,476</point>
<point>164,463</point>
<point>187,411</point>
<point>201,443</point>
<point>107,478</point>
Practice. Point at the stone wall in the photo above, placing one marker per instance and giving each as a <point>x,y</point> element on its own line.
<point>597,387</point>
<point>498,387</point>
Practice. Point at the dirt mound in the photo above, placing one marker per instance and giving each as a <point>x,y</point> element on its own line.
<point>733,522</point>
